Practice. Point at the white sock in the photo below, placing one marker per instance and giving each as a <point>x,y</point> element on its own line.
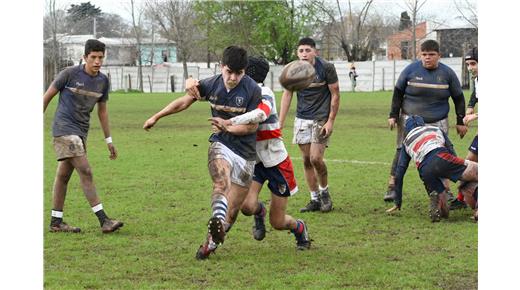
<point>323,188</point>
<point>314,195</point>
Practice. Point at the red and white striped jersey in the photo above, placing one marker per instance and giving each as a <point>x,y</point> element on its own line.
<point>421,141</point>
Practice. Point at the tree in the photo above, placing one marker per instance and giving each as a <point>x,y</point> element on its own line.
<point>53,26</point>
<point>81,18</point>
<point>414,7</point>
<point>137,30</point>
<point>175,19</point>
<point>468,11</point>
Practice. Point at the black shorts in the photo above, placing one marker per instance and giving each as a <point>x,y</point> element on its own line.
<point>439,166</point>
<point>474,146</point>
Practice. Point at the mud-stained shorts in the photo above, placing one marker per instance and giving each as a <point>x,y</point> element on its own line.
<point>69,146</point>
<point>241,169</point>
<point>441,124</point>
<point>308,131</point>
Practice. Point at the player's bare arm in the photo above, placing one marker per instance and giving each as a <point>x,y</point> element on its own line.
<point>334,107</point>
<point>175,106</point>
<point>103,120</point>
<point>191,88</point>
<point>227,126</point>
<point>285,103</point>
<point>47,97</point>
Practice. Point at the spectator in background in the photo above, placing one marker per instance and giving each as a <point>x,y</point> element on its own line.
<point>353,76</point>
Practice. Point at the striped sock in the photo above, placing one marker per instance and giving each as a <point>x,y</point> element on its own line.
<point>219,207</point>
<point>460,196</point>
<point>314,195</point>
<point>261,210</point>
<point>298,229</point>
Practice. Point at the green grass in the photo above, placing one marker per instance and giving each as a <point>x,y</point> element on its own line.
<point>159,186</point>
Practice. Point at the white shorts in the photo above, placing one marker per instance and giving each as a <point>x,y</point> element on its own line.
<point>308,131</point>
<point>241,169</point>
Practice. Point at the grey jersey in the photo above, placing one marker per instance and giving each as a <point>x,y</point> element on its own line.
<point>79,93</point>
<point>314,101</point>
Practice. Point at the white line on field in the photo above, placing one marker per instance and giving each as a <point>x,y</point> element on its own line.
<point>350,161</point>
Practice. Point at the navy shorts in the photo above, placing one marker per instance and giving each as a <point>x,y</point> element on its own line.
<point>281,180</point>
<point>440,165</point>
<point>474,146</point>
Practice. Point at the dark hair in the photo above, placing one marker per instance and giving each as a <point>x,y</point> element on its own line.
<point>307,41</point>
<point>430,45</point>
<point>257,68</point>
<point>235,58</point>
<point>94,45</point>
<point>472,54</point>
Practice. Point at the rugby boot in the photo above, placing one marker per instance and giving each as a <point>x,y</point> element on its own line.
<point>450,196</point>
<point>326,202</point>
<point>457,204</point>
<point>63,227</point>
<point>259,224</point>
<point>206,249</point>
<point>435,213</point>
<point>110,225</point>
<point>443,206</point>
<point>303,242</point>
<point>217,230</point>
<point>389,195</point>
<point>313,205</point>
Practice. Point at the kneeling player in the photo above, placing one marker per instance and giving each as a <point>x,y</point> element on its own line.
<point>273,164</point>
<point>430,149</point>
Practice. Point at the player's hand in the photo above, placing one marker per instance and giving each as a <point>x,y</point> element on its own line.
<point>326,130</point>
<point>149,123</point>
<point>392,122</point>
<point>470,111</point>
<point>113,151</point>
<point>462,130</point>
<point>192,89</point>
<point>393,209</point>
<point>220,124</point>
<point>469,118</point>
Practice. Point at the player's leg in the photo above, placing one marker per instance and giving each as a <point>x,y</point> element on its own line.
<point>472,155</point>
<point>302,136</point>
<point>281,221</point>
<point>317,152</point>
<point>63,174</point>
<point>311,179</point>
<point>86,178</point>
<point>252,206</point>
<point>390,193</point>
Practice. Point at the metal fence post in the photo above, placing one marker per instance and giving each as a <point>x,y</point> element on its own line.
<point>373,74</point>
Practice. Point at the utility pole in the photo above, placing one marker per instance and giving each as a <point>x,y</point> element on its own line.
<point>94,28</point>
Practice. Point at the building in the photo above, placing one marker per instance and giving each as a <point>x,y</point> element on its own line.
<point>400,45</point>
<point>454,42</point>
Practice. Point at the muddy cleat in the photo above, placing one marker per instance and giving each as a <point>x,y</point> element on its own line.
<point>206,249</point>
<point>313,205</point>
<point>389,196</point>
<point>259,225</point>
<point>435,212</point>
<point>326,202</point>
<point>110,225</point>
<point>450,196</point>
<point>457,204</point>
<point>303,242</point>
<point>216,230</point>
<point>63,227</point>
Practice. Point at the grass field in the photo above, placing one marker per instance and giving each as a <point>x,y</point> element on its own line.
<point>160,188</point>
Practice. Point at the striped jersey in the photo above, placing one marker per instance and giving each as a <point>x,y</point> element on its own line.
<point>270,149</point>
<point>421,141</point>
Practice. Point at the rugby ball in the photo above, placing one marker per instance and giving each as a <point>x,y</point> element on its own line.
<point>297,75</point>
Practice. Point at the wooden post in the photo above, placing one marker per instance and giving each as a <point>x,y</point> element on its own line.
<point>109,82</point>
<point>150,83</point>
<point>129,82</point>
<point>172,82</point>
<point>383,80</point>
<point>373,74</point>
<point>393,74</point>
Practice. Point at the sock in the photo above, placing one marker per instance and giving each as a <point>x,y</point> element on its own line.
<point>314,195</point>
<point>100,213</point>
<point>298,229</point>
<point>56,217</point>
<point>460,196</point>
<point>323,188</point>
<point>219,207</point>
<point>261,210</point>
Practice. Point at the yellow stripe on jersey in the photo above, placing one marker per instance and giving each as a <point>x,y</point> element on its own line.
<point>428,86</point>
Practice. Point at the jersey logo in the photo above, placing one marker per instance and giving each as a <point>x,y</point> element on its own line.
<point>239,101</point>
<point>419,78</point>
<point>80,84</point>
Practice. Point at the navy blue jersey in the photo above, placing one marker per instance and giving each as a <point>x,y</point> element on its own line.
<point>314,101</point>
<point>243,98</point>
<point>426,92</point>
<point>79,93</point>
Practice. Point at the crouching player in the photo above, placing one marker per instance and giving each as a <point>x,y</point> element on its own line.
<point>430,149</point>
<point>273,163</point>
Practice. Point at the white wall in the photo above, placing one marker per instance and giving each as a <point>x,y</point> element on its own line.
<point>370,75</point>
